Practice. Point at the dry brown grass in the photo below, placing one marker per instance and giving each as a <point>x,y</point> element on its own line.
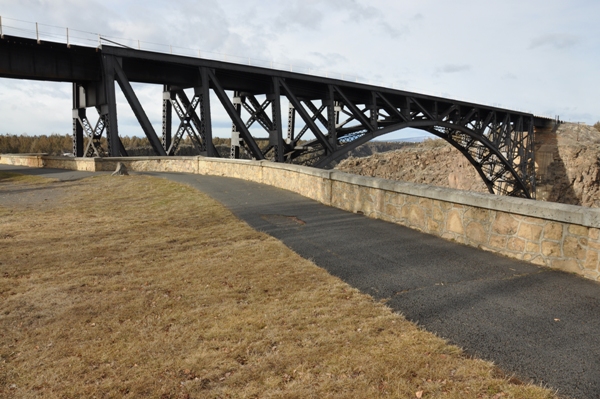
<point>138,287</point>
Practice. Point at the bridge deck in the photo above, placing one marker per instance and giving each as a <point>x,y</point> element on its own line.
<point>24,58</point>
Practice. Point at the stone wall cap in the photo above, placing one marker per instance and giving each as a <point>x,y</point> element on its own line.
<point>307,170</point>
<point>143,158</point>
<point>63,158</point>
<point>229,160</point>
<point>29,155</point>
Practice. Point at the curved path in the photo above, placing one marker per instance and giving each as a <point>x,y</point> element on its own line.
<point>541,324</point>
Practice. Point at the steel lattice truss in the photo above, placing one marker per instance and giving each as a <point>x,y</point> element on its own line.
<point>498,144</point>
<point>326,118</point>
<point>320,131</point>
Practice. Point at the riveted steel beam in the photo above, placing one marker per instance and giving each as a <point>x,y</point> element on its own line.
<point>235,117</point>
<point>354,109</point>
<point>78,114</point>
<point>167,118</point>
<point>137,109</point>
<point>205,116</point>
<point>304,115</point>
<point>276,134</point>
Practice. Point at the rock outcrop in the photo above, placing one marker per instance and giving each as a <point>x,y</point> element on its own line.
<point>567,165</point>
<point>431,162</point>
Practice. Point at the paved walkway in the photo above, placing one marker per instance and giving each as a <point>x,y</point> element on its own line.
<point>540,324</point>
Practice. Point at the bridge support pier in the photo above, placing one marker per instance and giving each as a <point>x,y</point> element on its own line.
<point>205,116</point>
<point>276,131</point>
<point>236,141</point>
<point>110,107</point>
<point>87,95</point>
<point>197,127</point>
<point>78,116</point>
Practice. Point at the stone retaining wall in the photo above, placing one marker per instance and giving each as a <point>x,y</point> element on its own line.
<point>560,236</point>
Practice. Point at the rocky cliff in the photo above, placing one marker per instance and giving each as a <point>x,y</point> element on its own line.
<point>568,165</point>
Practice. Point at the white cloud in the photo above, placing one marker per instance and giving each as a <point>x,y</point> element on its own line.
<point>453,68</point>
<point>329,60</point>
<point>299,16</point>
<point>558,41</point>
<point>474,51</point>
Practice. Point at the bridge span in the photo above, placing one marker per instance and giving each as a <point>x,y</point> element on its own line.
<point>326,118</point>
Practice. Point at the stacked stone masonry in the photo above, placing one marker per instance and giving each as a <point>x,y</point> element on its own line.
<point>559,236</point>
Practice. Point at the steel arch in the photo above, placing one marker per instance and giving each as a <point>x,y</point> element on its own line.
<point>429,126</point>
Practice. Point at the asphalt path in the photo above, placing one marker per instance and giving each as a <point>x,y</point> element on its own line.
<point>540,324</point>
<point>59,174</point>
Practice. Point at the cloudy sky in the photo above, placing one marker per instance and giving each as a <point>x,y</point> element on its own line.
<point>537,56</point>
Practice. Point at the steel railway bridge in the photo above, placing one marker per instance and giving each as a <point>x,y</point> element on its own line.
<point>339,115</point>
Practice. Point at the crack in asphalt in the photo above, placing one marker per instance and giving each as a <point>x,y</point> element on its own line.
<point>463,282</point>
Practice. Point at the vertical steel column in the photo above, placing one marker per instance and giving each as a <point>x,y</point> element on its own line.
<point>78,114</point>
<point>331,118</point>
<point>236,140</point>
<point>406,109</point>
<point>205,118</point>
<point>505,145</point>
<point>374,111</point>
<point>277,131</point>
<point>167,117</point>
<point>291,124</point>
<point>110,110</point>
<point>531,159</point>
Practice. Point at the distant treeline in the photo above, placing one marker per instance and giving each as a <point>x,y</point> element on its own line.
<point>53,144</point>
<point>56,144</point>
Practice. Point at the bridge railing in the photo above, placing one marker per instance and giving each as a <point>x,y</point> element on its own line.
<point>52,33</point>
<point>44,32</point>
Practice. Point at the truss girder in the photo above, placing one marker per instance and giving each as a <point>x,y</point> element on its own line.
<point>305,116</point>
<point>136,106</point>
<point>234,116</point>
<point>316,113</point>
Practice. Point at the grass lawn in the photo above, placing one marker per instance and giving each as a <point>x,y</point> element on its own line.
<point>137,287</point>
